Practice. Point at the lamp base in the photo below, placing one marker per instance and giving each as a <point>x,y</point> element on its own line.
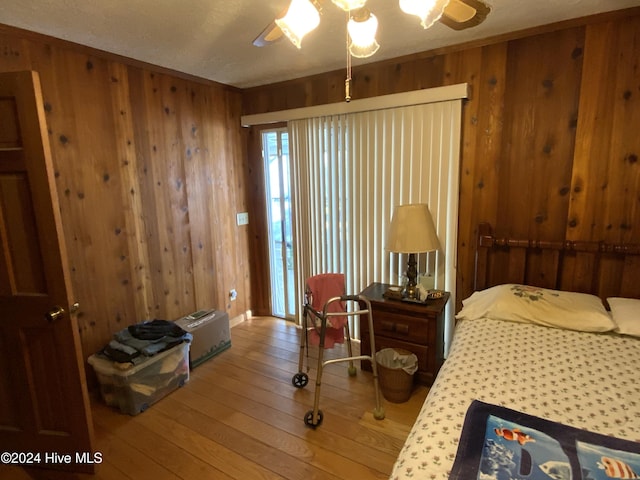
<point>411,288</point>
<point>410,292</point>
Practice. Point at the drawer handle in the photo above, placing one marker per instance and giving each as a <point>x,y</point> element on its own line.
<point>388,326</point>
<point>400,328</point>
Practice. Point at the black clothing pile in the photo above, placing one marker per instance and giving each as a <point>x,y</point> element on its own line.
<point>136,343</point>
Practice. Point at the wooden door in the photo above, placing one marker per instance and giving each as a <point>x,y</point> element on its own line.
<point>44,404</point>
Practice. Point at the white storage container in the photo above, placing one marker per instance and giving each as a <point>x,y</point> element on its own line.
<point>211,334</point>
<point>137,387</point>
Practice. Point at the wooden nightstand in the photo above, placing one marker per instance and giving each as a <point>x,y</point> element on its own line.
<point>414,327</point>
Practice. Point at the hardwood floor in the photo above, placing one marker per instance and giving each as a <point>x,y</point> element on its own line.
<point>239,417</point>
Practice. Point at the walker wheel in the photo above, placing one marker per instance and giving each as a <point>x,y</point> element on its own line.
<point>300,380</point>
<point>308,419</point>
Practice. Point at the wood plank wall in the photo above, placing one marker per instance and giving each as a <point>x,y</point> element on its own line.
<point>150,171</point>
<point>549,143</point>
<point>152,165</point>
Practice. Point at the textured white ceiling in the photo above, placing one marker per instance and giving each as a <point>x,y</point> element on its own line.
<point>212,39</point>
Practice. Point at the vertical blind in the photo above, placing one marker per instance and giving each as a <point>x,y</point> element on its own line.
<point>349,171</point>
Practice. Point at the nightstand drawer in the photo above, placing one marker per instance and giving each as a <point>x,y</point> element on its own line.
<point>399,326</point>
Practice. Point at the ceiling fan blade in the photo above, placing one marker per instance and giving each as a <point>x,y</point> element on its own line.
<point>463,14</point>
<point>269,35</point>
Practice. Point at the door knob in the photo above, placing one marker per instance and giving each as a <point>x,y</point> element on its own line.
<point>55,314</point>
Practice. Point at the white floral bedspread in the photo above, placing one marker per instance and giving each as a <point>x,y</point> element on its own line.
<point>587,380</point>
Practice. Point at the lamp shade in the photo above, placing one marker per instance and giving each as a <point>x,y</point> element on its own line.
<point>412,230</point>
<point>301,17</point>
<point>429,11</point>
<point>347,5</point>
<point>362,32</point>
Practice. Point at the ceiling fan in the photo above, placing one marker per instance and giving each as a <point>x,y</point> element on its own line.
<point>457,14</point>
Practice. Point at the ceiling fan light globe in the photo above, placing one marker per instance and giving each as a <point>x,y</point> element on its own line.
<point>363,32</point>
<point>301,18</point>
<point>347,5</point>
<point>429,11</point>
<point>360,51</point>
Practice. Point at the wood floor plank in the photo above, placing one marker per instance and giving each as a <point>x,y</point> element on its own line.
<point>207,440</point>
<point>267,424</point>
<point>336,375</point>
<point>130,453</point>
<point>240,417</point>
<point>352,408</point>
<point>274,453</point>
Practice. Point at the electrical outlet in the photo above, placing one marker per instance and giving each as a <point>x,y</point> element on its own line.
<point>242,218</point>
<point>233,294</point>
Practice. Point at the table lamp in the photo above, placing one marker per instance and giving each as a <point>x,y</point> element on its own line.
<point>412,231</point>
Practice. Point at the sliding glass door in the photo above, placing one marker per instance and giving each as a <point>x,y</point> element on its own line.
<point>351,170</point>
<point>275,147</point>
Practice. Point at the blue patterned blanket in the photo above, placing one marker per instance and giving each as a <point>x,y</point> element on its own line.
<point>503,444</point>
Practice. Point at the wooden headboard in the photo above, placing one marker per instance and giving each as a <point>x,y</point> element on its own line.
<point>600,268</point>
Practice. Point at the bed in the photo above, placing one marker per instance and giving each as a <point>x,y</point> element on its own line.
<point>543,349</point>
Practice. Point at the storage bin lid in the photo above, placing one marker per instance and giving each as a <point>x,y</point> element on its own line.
<point>105,366</point>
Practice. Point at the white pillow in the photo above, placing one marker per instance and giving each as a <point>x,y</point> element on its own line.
<point>526,304</point>
<point>626,315</point>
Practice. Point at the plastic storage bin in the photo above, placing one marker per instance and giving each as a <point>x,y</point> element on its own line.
<point>134,389</point>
